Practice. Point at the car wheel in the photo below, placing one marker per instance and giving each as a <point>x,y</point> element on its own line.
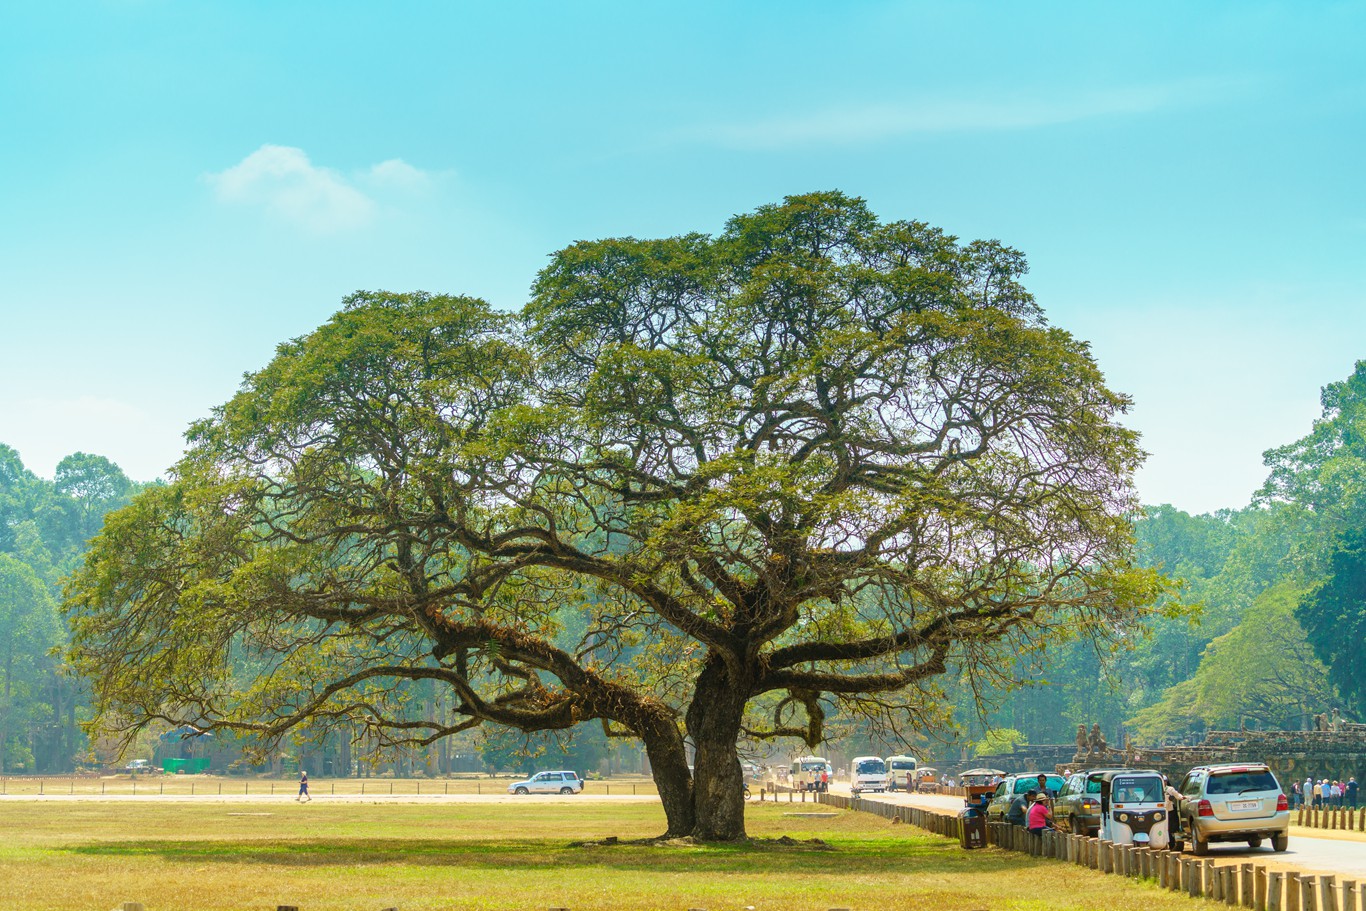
<point>521,791</point>
<point>566,790</point>
<point>1199,846</point>
<point>1280,842</point>
<point>1254,842</point>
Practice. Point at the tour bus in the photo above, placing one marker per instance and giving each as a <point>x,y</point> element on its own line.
<point>806,772</point>
<point>898,767</point>
<point>868,773</point>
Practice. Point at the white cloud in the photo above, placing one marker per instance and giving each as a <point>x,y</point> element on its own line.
<point>871,122</point>
<point>400,175</point>
<point>283,181</point>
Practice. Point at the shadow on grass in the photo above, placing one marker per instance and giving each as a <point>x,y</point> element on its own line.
<point>876,856</point>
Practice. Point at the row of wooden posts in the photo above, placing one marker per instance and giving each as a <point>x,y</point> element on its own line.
<point>1247,885</point>
<point>1348,819</point>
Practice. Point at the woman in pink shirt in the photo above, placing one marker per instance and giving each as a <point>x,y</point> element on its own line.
<point>1038,816</point>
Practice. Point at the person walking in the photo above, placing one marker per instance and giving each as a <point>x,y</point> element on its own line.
<point>1349,792</point>
<point>303,788</point>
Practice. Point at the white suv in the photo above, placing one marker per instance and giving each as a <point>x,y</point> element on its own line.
<point>1232,802</point>
<point>548,783</point>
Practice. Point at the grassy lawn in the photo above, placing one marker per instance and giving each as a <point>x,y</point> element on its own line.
<point>122,785</point>
<point>356,856</point>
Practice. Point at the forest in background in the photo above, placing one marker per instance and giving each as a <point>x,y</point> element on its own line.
<point>1268,631</point>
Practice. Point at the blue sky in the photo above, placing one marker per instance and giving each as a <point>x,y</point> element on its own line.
<point>183,185</point>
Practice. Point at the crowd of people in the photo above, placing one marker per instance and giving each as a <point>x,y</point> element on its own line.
<point>1321,793</point>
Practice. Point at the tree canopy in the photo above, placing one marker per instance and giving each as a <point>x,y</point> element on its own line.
<point>699,489</point>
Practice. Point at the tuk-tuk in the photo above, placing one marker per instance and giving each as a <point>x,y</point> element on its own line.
<point>1133,807</point>
<point>979,784</point>
<point>925,780</point>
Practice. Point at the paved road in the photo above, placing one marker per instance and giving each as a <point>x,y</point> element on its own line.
<point>1340,853</point>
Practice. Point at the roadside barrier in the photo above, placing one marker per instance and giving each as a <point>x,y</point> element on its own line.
<point>1347,819</point>
<point>1248,885</point>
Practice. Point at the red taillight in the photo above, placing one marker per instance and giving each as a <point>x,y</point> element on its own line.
<point>1282,803</point>
<point>1204,808</point>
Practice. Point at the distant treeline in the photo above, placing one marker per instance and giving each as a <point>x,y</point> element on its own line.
<point>1266,630</point>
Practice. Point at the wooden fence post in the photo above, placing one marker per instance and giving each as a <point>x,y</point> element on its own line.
<point>1292,892</point>
<point>1309,898</point>
<point>1273,891</point>
<point>1328,893</point>
<point>1349,895</point>
<point>1190,872</point>
<point>1230,885</point>
<point>1259,889</point>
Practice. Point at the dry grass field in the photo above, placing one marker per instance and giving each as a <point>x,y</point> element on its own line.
<point>508,854</point>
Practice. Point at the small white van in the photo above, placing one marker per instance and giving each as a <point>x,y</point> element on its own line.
<point>806,772</point>
<point>868,773</point>
<point>898,767</point>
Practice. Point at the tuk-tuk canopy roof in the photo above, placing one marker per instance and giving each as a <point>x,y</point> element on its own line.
<point>1111,774</point>
<point>981,772</point>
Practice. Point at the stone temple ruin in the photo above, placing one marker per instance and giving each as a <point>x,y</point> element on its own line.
<point>1328,753</point>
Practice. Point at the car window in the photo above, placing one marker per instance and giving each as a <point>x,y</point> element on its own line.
<point>1238,782</point>
<point>1000,790</point>
<point>1093,785</point>
<point>1191,786</point>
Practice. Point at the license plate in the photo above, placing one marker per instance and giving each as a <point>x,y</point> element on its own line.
<point>1237,805</point>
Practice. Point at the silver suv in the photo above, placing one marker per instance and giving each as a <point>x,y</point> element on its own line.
<point>548,783</point>
<point>1232,802</point>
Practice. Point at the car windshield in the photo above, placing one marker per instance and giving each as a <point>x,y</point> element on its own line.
<point>1238,782</point>
<point>1147,789</point>
<point>870,767</point>
<point>904,765</point>
<point>1054,783</point>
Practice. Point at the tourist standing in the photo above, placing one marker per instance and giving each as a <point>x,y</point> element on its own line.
<point>1350,792</point>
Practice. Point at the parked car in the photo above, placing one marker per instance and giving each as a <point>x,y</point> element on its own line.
<point>139,765</point>
<point>1232,802</point>
<point>548,783</point>
<point>1013,785</point>
<point>1077,807</point>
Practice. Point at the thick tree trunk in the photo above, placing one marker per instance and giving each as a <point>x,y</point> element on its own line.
<point>669,767</point>
<point>714,720</point>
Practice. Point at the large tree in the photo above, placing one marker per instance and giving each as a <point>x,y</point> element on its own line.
<point>814,461</point>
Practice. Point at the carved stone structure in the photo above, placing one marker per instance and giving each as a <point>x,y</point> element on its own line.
<point>1336,754</point>
<point>1098,745</point>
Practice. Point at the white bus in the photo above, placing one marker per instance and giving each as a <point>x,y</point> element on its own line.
<point>867,773</point>
<point>806,772</point>
<point>898,767</point>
